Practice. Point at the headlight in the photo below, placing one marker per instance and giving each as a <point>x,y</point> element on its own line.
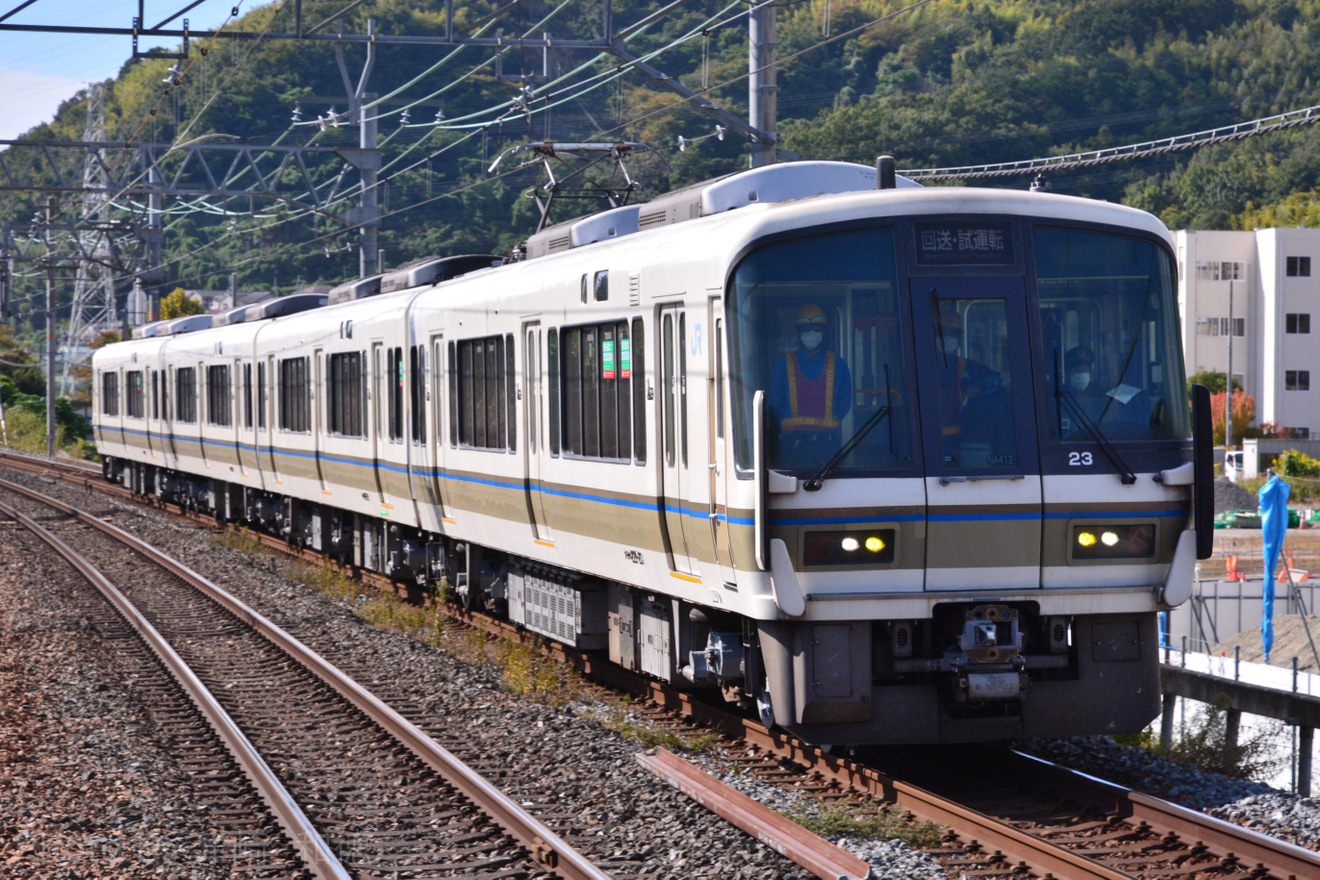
<point>1114,542</point>
<point>867,547</point>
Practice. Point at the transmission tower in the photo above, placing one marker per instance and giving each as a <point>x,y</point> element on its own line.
<point>94,286</point>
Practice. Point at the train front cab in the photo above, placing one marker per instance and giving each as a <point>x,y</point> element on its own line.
<point>984,552</point>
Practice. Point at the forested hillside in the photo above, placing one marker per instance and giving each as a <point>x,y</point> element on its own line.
<point>949,83</point>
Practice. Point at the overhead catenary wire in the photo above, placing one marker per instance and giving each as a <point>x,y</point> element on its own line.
<point>1091,158</point>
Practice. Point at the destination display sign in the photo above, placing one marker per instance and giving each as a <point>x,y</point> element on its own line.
<point>964,244</point>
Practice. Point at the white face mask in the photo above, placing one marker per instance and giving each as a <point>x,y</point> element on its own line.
<point>1079,381</point>
<point>949,343</point>
<point>811,339</point>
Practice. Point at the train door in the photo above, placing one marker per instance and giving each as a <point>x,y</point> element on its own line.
<point>166,417</point>
<point>675,478</point>
<point>983,487</point>
<point>379,388</point>
<point>315,396</point>
<point>239,411</point>
<point>266,424</point>
<point>436,395</point>
<point>151,408</point>
<point>201,385</point>
<point>716,466</point>
<point>534,420</point>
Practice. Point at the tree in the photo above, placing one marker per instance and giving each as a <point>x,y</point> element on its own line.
<point>180,305</point>
<point>1212,380</point>
<point>1244,411</point>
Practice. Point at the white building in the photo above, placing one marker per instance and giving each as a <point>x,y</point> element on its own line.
<point>1274,295</point>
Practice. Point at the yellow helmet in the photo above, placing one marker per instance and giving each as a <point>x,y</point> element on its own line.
<point>810,314</point>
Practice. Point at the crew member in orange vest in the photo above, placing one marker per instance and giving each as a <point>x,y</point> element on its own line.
<point>810,393</point>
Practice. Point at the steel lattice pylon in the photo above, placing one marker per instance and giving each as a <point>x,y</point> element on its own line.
<point>93,309</point>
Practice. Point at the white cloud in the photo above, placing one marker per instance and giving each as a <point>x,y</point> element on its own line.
<point>28,99</point>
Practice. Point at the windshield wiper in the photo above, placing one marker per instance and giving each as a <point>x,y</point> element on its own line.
<point>819,477</point>
<point>1063,395</point>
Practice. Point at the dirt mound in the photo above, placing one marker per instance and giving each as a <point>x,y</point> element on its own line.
<point>1230,496</point>
<point>1290,640</point>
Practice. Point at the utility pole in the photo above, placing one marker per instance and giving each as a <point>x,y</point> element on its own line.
<point>370,203</point>
<point>367,158</point>
<point>50,334</point>
<point>762,92</point>
<point>1228,397</point>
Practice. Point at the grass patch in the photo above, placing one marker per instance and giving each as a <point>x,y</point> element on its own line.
<point>1258,754</point>
<point>324,580</point>
<point>851,820</point>
<point>531,675</point>
<point>243,540</point>
<point>650,735</point>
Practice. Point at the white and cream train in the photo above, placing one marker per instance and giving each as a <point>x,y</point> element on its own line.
<point>896,464</point>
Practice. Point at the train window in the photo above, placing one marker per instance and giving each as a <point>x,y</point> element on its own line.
<point>164,398</point>
<point>585,285</point>
<point>110,393</point>
<point>134,398</point>
<point>719,378</point>
<point>602,286</point>
<point>590,393</point>
<point>261,396</point>
<point>394,380</point>
<point>247,395</point>
<point>636,368</point>
<point>417,392</point>
<point>596,391</point>
<point>453,395</point>
<point>345,395</point>
<point>295,408</point>
<point>155,394</point>
<point>1109,320</point>
<point>185,395</point>
<point>484,390</point>
<point>511,393</point>
<point>816,323</point>
<point>494,394</point>
<point>438,388</point>
<point>219,396</point>
<point>682,386</point>
<point>667,337</point>
<point>552,387</point>
<point>533,369</point>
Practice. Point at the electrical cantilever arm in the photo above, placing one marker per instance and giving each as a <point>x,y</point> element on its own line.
<point>724,117</point>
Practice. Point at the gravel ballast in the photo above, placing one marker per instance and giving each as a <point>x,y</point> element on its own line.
<point>642,825</point>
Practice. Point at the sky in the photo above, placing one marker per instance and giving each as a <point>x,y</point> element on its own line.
<point>39,71</point>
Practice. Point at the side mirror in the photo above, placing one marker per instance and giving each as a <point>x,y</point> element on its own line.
<point>1203,462</point>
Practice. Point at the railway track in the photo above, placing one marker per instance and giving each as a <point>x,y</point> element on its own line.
<point>1019,817</point>
<point>360,791</point>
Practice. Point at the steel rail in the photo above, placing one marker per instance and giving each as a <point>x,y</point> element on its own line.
<point>775,830</point>
<point>315,852</point>
<point>1251,848</point>
<point>547,847</point>
<point>1281,858</point>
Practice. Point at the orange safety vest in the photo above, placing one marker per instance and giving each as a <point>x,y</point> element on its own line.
<point>796,422</point>
<point>951,400</point>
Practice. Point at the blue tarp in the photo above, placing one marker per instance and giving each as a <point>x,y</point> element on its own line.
<point>1273,525</point>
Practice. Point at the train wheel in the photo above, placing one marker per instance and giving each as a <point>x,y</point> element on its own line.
<point>765,710</point>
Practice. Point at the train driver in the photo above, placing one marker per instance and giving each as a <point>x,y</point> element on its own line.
<point>965,384</point>
<point>810,392</point>
<point>1121,406</point>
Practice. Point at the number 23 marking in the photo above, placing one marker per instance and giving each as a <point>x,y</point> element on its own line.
<point>1078,459</point>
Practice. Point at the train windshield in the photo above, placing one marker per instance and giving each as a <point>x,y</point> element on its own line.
<point>815,323</point>
<point>1109,321</point>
